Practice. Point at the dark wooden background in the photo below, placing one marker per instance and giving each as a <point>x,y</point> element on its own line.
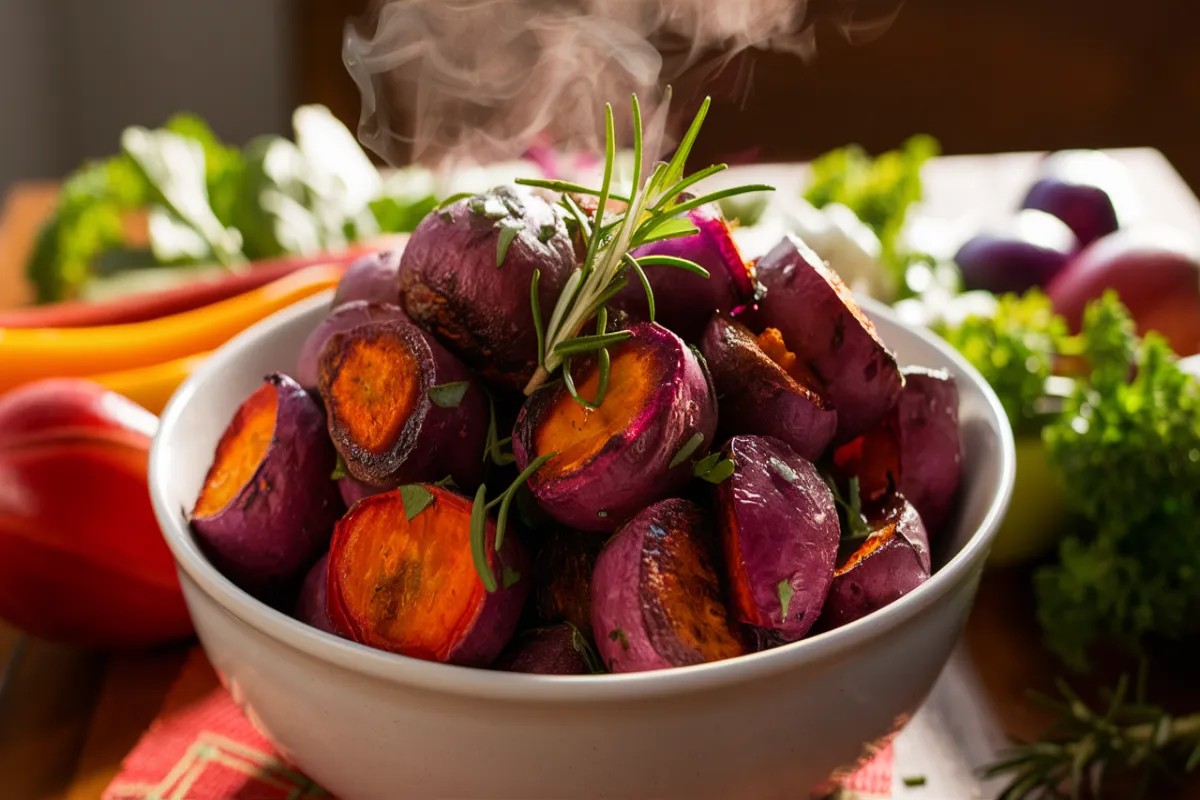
<point>980,75</point>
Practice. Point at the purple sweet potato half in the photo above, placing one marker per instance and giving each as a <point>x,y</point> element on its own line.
<point>401,408</point>
<point>545,651</point>
<point>890,563</point>
<point>310,605</point>
<point>930,452</point>
<point>657,600</point>
<point>372,278</point>
<point>761,396</point>
<point>562,576</point>
<point>820,322</point>
<point>343,318</point>
<point>638,446</point>
<point>268,506</point>
<point>401,577</point>
<point>465,276</point>
<point>683,300</point>
<point>780,534</point>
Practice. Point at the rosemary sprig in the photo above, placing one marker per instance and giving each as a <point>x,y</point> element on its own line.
<point>652,213</point>
<point>479,518</point>
<point>1085,751</point>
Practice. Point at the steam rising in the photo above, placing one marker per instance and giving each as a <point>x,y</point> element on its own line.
<point>474,81</point>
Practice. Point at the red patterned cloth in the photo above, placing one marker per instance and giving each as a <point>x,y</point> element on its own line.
<point>201,747</point>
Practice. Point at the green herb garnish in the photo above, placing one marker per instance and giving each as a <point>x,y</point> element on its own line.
<point>416,498</point>
<point>448,395</point>
<point>785,597</point>
<point>479,539</point>
<point>685,452</point>
<point>339,469</point>
<point>851,507</point>
<point>494,447</point>
<point>509,229</point>
<point>781,469</point>
<point>913,781</point>
<point>509,577</point>
<point>1085,750</point>
<point>713,468</point>
<point>618,635</point>
<point>653,212</point>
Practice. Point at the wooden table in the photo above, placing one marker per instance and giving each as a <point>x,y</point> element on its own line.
<point>68,717</point>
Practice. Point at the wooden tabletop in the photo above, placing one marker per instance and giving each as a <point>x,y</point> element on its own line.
<point>68,716</point>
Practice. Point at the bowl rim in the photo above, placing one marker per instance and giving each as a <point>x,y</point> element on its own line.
<point>497,685</point>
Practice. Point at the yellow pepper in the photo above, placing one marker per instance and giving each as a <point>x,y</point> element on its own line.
<point>151,387</point>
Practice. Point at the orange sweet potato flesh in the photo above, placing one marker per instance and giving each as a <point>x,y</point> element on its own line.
<point>770,341</point>
<point>740,595</point>
<point>240,451</point>
<point>682,579</point>
<point>403,585</point>
<point>874,458</point>
<point>375,388</point>
<point>578,434</point>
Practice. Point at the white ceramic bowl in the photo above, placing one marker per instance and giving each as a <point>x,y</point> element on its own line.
<point>368,724</point>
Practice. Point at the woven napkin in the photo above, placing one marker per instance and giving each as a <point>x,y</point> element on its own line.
<point>201,747</point>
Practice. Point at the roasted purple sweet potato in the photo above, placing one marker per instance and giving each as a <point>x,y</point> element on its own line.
<point>874,460</point>
<point>267,506</point>
<point>401,578</point>
<point>562,577</point>
<point>656,594</point>
<point>343,318</point>
<point>465,276</point>
<point>683,300</point>
<point>820,322</point>
<point>764,389</point>
<point>372,277</point>
<point>557,650</point>
<point>780,533</point>
<point>310,605</point>
<point>930,453</point>
<point>635,448</point>
<point>891,562</point>
<point>401,408</point>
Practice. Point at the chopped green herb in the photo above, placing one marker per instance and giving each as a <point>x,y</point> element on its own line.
<point>546,232</point>
<point>494,447</point>
<point>416,498</point>
<point>913,781</point>
<point>448,395</point>
<point>509,229</point>
<point>451,200</point>
<point>339,469</point>
<point>785,597</point>
<point>720,472</point>
<point>618,635</point>
<point>445,215</point>
<point>509,577</point>
<point>446,483</point>
<point>781,469</point>
<point>852,508</point>
<point>685,452</point>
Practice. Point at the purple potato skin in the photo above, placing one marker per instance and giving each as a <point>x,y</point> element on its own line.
<point>562,577</point>
<point>544,651</point>
<point>644,642</point>
<point>310,605</point>
<point>371,278</point>
<point>500,613</point>
<point>634,467</point>
<point>281,520</point>
<point>759,397</point>
<point>883,575</point>
<point>450,285</point>
<point>1087,210</point>
<point>685,301</point>
<point>352,491</point>
<point>816,315</point>
<point>786,531</point>
<point>436,441</point>
<point>344,317</point>
<point>930,451</point>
